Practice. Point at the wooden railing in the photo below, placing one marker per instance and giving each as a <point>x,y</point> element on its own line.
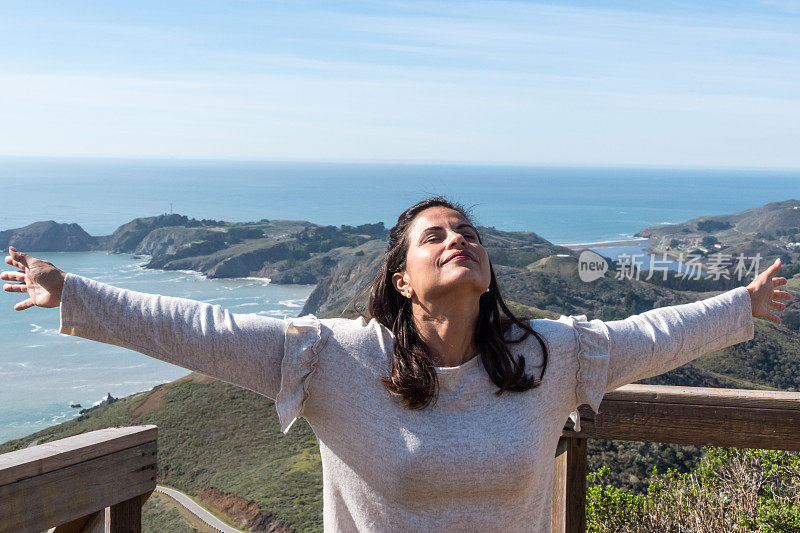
<point>90,483</point>
<point>677,415</point>
<point>98,481</point>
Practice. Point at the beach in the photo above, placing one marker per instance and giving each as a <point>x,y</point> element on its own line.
<point>609,244</point>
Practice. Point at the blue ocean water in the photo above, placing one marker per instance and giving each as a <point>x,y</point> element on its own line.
<point>564,205</point>
<point>42,372</point>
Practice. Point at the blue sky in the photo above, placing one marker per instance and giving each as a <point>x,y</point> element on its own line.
<point>581,83</point>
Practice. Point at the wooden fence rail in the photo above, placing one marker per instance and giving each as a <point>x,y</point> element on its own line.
<point>676,415</point>
<point>90,483</point>
<point>98,481</point>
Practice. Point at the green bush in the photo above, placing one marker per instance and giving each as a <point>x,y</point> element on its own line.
<point>791,319</point>
<point>731,490</point>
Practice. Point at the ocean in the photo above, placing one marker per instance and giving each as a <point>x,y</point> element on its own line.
<point>43,372</point>
<point>564,205</point>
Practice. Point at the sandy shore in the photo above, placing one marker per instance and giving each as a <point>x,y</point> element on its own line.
<point>581,246</point>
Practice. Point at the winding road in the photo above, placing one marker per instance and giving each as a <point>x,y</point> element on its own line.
<point>191,506</point>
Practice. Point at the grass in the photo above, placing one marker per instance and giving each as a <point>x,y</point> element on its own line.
<point>212,434</point>
<point>160,515</point>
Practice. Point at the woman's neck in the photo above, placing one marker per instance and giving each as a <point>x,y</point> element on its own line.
<point>448,329</point>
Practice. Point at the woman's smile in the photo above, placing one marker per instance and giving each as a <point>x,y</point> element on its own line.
<point>461,255</point>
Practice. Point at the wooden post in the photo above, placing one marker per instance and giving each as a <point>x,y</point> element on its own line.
<point>125,517</point>
<point>93,523</point>
<point>569,486</point>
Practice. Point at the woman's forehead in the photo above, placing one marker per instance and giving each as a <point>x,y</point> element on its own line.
<point>438,217</point>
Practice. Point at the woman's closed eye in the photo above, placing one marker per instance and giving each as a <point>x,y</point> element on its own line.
<point>433,238</point>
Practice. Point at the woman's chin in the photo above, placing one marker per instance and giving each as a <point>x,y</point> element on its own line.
<point>464,284</point>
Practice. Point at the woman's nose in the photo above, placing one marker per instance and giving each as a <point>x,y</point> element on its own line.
<point>456,238</point>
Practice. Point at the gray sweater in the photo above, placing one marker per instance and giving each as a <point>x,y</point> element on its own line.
<point>473,461</point>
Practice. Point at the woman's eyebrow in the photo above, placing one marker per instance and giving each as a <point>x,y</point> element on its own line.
<point>439,228</point>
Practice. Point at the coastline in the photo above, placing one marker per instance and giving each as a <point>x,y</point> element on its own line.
<point>602,244</point>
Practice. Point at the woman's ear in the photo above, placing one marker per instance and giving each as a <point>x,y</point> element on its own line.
<point>401,284</point>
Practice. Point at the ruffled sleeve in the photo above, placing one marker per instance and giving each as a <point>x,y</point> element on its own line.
<point>593,359</point>
<point>303,343</point>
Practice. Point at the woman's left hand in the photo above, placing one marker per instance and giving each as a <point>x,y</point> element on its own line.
<point>763,293</point>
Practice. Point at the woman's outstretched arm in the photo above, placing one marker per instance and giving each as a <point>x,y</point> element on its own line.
<point>243,349</point>
<point>659,340</point>
<point>618,352</point>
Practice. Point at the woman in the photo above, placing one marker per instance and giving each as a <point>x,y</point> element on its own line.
<point>439,413</point>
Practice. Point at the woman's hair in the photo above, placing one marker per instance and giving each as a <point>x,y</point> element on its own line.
<point>413,376</point>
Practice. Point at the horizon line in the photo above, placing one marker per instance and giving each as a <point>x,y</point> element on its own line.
<point>406,162</point>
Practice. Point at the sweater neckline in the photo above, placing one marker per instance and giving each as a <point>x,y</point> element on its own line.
<point>460,368</point>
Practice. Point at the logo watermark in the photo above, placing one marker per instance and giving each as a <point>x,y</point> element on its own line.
<point>592,266</point>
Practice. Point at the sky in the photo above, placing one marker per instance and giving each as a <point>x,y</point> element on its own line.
<point>666,83</point>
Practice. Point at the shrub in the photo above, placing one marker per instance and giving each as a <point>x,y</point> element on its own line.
<point>713,225</point>
<point>791,319</point>
<point>731,490</point>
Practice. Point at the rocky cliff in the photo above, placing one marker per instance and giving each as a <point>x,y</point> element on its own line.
<point>48,236</point>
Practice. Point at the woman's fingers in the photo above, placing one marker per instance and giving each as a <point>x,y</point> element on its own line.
<point>18,259</point>
<point>777,305</point>
<point>12,276</point>
<point>17,264</point>
<point>13,262</point>
<point>15,288</point>
<point>777,282</point>
<point>19,256</point>
<point>771,270</point>
<point>781,295</point>
<point>25,304</point>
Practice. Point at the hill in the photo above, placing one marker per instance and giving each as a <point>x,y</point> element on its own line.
<point>48,236</point>
<point>222,445</point>
<point>772,230</point>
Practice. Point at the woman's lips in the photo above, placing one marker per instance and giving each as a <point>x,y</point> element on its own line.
<point>460,256</point>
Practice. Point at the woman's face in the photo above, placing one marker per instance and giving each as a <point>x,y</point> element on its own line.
<point>443,256</point>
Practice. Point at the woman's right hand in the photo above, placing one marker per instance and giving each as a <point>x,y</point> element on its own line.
<point>763,293</point>
<point>40,279</point>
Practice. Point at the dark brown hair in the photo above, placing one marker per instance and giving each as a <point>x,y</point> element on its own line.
<point>413,376</point>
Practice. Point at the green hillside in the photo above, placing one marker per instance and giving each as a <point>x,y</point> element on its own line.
<point>218,442</point>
